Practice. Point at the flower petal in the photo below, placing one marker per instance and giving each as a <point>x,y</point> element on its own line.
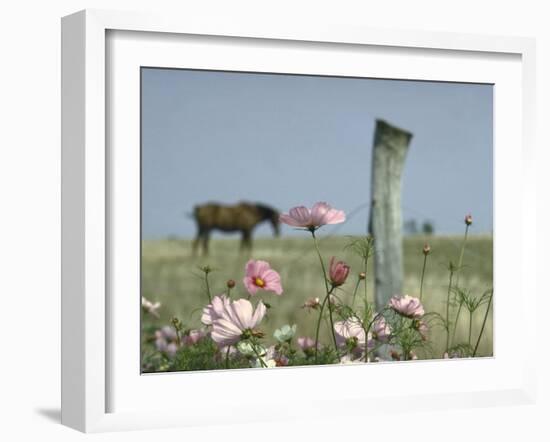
<point>242,309</point>
<point>273,282</point>
<point>249,285</point>
<point>225,332</point>
<point>206,317</point>
<point>335,217</point>
<point>261,267</point>
<point>287,219</point>
<point>318,213</point>
<point>301,216</point>
<point>258,314</point>
<point>250,268</point>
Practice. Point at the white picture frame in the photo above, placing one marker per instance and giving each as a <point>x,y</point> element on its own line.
<point>87,203</point>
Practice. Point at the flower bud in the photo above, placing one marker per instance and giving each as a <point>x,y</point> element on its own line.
<point>230,283</point>
<point>176,323</point>
<point>311,303</point>
<point>362,275</point>
<point>427,249</point>
<point>395,356</point>
<point>257,333</point>
<point>468,220</point>
<point>338,272</point>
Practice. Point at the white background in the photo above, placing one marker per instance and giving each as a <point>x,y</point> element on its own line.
<point>30,221</point>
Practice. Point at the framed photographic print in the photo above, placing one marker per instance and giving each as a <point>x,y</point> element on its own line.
<point>255,296</point>
<point>290,209</point>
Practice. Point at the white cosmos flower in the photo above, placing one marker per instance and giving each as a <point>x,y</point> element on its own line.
<point>285,333</point>
<point>230,319</point>
<point>150,307</point>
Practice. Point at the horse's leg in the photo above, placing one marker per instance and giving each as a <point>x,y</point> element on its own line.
<point>243,236</point>
<point>196,242</point>
<point>245,241</point>
<point>249,242</point>
<point>205,240</point>
<point>195,245</point>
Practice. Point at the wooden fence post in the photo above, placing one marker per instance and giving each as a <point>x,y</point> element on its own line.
<point>386,224</point>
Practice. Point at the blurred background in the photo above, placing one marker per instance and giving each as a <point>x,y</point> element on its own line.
<point>287,140</point>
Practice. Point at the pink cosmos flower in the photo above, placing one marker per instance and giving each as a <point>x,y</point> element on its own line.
<point>319,215</point>
<point>259,275</point>
<point>165,341</point>
<point>306,343</point>
<point>272,354</point>
<point>171,349</point>
<point>338,272</point>
<point>166,333</point>
<point>230,319</point>
<point>381,329</point>
<point>350,332</point>
<point>407,306</point>
<point>192,337</point>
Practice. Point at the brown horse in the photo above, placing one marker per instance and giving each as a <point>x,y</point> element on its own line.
<point>242,217</point>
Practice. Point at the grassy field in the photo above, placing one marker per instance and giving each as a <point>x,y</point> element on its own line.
<point>172,276</point>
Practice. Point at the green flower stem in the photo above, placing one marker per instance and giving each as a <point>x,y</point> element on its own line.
<point>355,291</point>
<point>448,305</point>
<point>483,325</point>
<point>327,298</point>
<point>332,321</point>
<point>177,327</point>
<point>470,331</point>
<point>460,258</point>
<point>258,356</point>
<point>367,330</point>
<point>422,277</point>
<point>365,270</point>
<point>318,328</point>
<point>456,321</point>
<point>227,356</point>
<point>207,287</point>
<point>320,260</point>
<point>462,253</point>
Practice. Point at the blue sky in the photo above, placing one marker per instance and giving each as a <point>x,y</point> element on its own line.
<point>288,140</point>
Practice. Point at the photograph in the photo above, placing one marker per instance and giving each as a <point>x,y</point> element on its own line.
<point>302,220</point>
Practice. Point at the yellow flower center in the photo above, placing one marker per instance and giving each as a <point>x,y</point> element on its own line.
<point>259,282</point>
